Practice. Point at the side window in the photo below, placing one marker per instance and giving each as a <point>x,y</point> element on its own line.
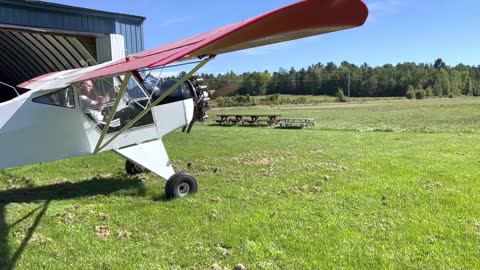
<point>62,98</point>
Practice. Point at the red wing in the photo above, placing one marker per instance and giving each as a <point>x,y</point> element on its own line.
<point>302,19</point>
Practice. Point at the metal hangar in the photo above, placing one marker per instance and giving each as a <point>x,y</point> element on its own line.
<point>38,37</point>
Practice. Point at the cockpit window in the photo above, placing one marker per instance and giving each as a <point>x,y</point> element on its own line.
<point>62,98</point>
<point>97,98</point>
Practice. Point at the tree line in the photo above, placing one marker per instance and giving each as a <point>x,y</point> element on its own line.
<point>435,79</point>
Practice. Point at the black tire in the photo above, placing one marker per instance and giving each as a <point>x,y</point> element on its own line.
<point>133,168</point>
<point>180,185</point>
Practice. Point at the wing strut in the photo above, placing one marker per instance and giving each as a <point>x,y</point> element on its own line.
<point>146,110</point>
<point>123,88</point>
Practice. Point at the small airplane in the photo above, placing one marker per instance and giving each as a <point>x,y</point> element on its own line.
<point>122,106</point>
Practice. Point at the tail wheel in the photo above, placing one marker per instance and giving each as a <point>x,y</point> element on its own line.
<point>180,185</point>
<point>133,168</point>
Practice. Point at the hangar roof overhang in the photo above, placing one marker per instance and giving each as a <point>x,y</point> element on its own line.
<point>38,37</point>
<point>65,9</point>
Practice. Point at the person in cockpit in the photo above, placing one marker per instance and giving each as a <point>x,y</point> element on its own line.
<point>88,97</point>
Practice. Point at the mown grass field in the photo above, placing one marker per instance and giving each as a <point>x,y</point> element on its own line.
<point>389,184</point>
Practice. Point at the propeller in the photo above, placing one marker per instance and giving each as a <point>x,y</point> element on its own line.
<point>226,90</point>
<point>201,96</point>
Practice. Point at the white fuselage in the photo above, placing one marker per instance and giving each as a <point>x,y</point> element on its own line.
<point>32,132</point>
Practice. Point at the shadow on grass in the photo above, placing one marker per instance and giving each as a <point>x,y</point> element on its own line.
<point>219,125</point>
<point>161,198</point>
<point>45,194</point>
<point>244,126</point>
<point>291,127</point>
<point>69,190</point>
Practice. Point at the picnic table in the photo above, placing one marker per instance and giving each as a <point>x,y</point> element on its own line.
<point>296,122</point>
<point>252,119</point>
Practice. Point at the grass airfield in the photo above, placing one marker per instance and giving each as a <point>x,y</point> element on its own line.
<point>378,184</point>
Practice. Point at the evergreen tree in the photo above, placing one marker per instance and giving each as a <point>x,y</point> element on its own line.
<point>387,80</point>
<point>429,91</point>
<point>410,93</point>
<point>340,95</point>
<point>437,87</point>
<point>468,89</point>
<point>445,81</point>
<point>455,87</point>
<point>312,81</point>
<point>476,89</point>
<point>439,64</point>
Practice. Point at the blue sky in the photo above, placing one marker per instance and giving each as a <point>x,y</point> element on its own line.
<point>396,31</point>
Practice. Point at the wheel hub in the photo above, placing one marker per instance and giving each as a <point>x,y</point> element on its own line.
<point>183,189</point>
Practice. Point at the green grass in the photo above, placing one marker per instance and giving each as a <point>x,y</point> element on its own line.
<point>430,115</point>
<point>335,196</point>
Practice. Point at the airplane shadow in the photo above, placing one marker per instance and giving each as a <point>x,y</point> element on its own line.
<point>46,194</point>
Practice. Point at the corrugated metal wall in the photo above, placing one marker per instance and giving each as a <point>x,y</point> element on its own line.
<point>110,47</point>
<point>53,20</point>
<point>133,34</point>
<point>38,37</point>
<point>54,16</point>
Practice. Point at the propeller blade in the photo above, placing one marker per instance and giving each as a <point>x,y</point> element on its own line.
<point>190,125</point>
<point>222,91</point>
<point>200,108</point>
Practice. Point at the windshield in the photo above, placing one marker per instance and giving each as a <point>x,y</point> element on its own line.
<point>156,87</point>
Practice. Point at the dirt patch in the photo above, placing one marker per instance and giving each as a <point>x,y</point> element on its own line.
<point>19,182</point>
<point>102,216</point>
<point>68,217</point>
<point>305,189</point>
<point>217,266</point>
<point>263,157</point>
<point>263,161</point>
<point>123,234</point>
<point>216,199</point>
<point>103,176</point>
<point>239,266</point>
<point>140,177</point>
<point>432,185</point>
<point>37,238</point>
<point>102,231</point>
<point>328,166</point>
<point>196,166</point>
<point>318,152</point>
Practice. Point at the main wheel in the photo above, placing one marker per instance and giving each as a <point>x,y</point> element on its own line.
<point>133,168</point>
<point>180,185</point>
